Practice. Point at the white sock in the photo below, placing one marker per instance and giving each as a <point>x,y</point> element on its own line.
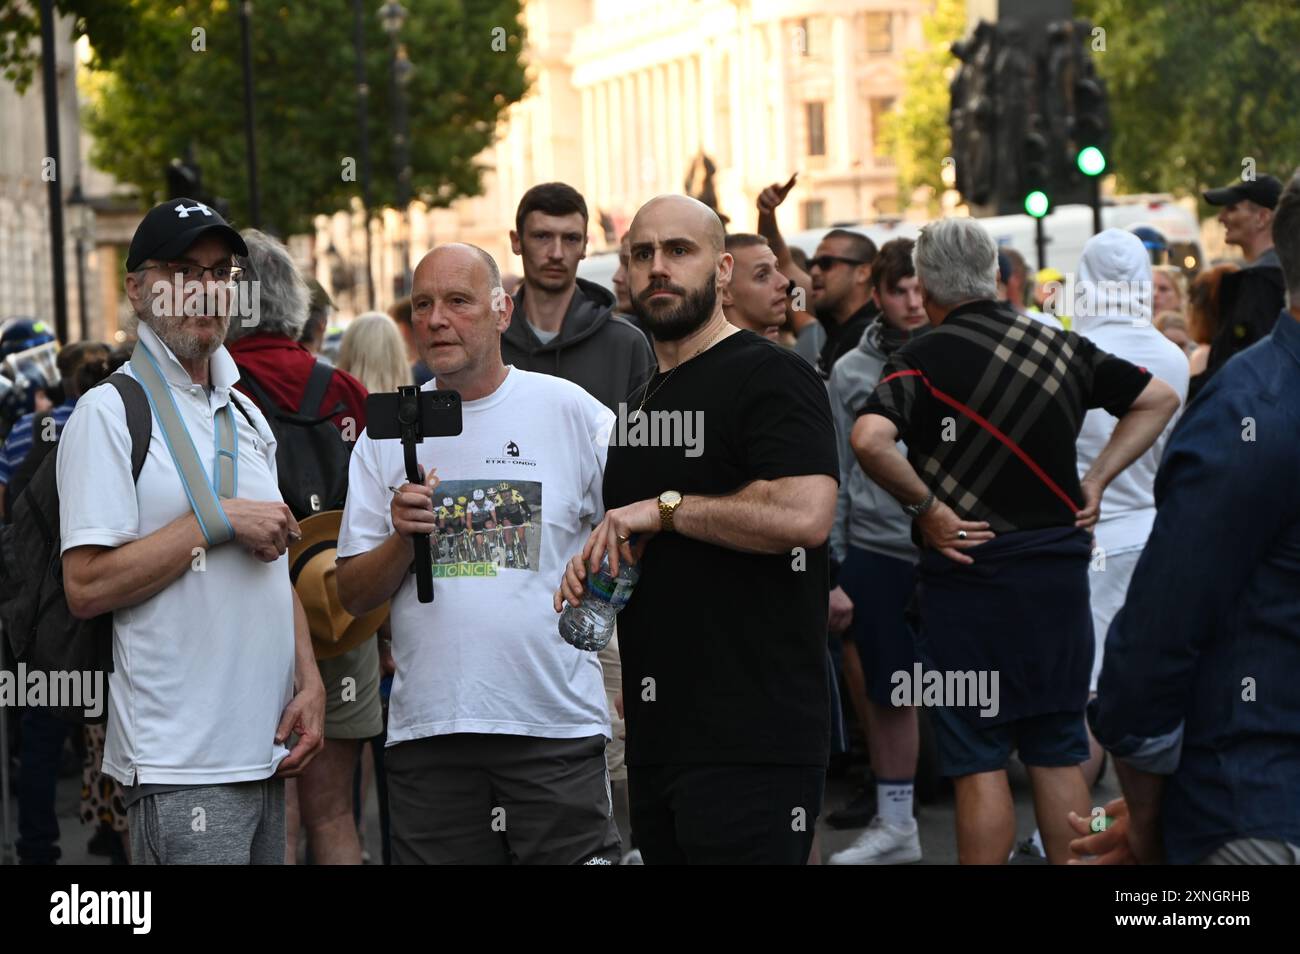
<point>894,802</point>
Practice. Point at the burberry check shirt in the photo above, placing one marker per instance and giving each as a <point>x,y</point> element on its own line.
<point>990,403</point>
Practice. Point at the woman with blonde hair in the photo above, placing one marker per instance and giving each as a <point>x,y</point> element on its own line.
<point>1170,289</point>
<point>373,352</point>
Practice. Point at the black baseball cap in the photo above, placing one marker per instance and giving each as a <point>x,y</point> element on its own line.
<point>1262,190</point>
<point>173,226</point>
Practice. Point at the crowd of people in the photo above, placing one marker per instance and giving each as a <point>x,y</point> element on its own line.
<point>908,466</point>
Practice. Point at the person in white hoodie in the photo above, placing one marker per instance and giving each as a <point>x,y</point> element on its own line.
<point>1112,308</point>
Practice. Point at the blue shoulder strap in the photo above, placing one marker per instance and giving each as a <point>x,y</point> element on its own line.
<point>202,496</point>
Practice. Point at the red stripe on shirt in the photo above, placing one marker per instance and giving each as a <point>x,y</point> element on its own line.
<point>982,422</point>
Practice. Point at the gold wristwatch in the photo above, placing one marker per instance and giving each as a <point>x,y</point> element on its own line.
<point>668,502</point>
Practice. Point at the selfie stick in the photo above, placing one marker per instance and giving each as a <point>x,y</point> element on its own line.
<point>408,416</point>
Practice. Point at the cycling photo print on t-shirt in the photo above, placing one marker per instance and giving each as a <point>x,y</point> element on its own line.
<point>486,526</point>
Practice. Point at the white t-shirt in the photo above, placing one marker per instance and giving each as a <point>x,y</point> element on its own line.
<point>203,669</point>
<point>486,655</point>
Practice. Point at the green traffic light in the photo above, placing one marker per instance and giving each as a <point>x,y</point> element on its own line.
<point>1091,161</point>
<point>1037,203</point>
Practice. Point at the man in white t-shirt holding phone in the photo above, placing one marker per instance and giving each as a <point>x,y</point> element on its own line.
<point>497,726</point>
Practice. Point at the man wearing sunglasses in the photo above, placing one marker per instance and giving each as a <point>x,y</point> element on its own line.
<point>841,292</point>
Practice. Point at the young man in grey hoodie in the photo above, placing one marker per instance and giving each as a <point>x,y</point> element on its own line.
<point>562,324</point>
<point>871,542</point>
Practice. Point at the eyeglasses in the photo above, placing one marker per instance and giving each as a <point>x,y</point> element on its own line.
<point>191,272</point>
<point>825,262</point>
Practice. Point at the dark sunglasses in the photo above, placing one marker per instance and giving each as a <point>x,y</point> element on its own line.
<point>825,262</point>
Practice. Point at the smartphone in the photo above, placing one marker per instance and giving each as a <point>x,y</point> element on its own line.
<point>436,413</point>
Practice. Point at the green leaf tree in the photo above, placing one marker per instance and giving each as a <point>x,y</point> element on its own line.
<point>1200,92</point>
<point>916,130</point>
<point>176,86</point>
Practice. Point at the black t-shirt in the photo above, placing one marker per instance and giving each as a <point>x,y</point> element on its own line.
<point>990,404</point>
<point>730,646</point>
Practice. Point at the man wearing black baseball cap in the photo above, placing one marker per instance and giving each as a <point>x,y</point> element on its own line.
<point>1251,299</point>
<point>215,673</point>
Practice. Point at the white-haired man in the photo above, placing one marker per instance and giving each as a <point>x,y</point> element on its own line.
<point>989,405</point>
<point>283,377</point>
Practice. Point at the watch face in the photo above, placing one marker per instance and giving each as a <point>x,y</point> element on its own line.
<point>670,497</point>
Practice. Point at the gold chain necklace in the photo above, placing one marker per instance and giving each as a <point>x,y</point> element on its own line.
<point>645,397</point>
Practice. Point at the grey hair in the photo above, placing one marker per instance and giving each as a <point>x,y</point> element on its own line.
<point>283,298</point>
<point>957,261</point>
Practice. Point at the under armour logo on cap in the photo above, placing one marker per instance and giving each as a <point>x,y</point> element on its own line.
<point>171,227</point>
<point>182,212</point>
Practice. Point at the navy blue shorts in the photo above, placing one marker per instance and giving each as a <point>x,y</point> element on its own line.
<point>1046,741</point>
<point>880,588</point>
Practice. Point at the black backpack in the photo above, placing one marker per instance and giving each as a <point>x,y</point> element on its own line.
<point>311,455</point>
<point>43,633</point>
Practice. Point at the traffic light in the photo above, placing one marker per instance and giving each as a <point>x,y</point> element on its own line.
<point>1038,171</point>
<point>1091,122</point>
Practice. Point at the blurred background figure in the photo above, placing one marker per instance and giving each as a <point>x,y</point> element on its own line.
<point>1173,326</point>
<point>373,352</point>
<point>319,313</point>
<point>1170,290</point>
<point>1204,315</point>
<point>1154,241</point>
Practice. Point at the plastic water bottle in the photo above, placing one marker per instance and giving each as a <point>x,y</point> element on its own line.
<point>590,624</point>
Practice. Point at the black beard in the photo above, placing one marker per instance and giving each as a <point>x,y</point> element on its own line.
<point>688,315</point>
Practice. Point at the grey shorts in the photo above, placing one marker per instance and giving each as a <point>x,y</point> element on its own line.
<point>500,799</point>
<point>237,824</point>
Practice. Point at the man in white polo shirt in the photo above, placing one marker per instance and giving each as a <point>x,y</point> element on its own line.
<point>497,726</point>
<point>213,667</point>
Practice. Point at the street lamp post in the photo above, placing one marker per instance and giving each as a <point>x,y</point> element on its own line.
<point>363,119</point>
<point>50,91</point>
<point>250,133</point>
<point>393,15</point>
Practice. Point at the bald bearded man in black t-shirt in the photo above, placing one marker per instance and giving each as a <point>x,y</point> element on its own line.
<point>724,638</point>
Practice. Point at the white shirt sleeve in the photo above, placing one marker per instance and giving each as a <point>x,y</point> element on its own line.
<point>97,495</point>
<point>367,521</point>
<point>600,424</point>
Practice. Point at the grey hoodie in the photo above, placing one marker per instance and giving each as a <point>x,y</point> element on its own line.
<point>605,355</point>
<point>866,517</point>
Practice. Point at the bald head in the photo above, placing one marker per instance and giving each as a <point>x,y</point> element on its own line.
<point>690,217</point>
<point>676,265</point>
<point>458,313</point>
<point>462,255</point>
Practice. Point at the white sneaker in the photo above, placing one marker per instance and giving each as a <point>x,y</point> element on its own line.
<point>882,844</point>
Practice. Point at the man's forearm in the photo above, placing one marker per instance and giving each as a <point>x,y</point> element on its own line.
<point>1143,792</point>
<point>117,577</point>
<point>887,467</point>
<point>1133,435</point>
<point>758,518</point>
<point>369,579</point>
<point>768,228</point>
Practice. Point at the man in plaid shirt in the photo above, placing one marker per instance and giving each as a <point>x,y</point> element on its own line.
<point>989,405</point>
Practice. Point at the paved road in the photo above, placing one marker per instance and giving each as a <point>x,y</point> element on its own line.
<point>938,841</point>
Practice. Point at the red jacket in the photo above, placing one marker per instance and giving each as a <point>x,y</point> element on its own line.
<point>281,367</point>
